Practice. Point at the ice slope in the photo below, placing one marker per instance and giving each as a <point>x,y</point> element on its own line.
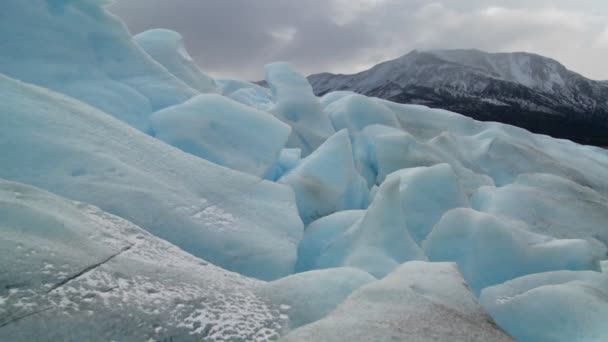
<point>77,48</point>
<point>295,103</point>
<point>167,48</point>
<point>554,306</point>
<point>234,220</point>
<point>223,131</point>
<point>490,251</point>
<point>71,272</point>
<point>419,301</point>
<point>327,181</point>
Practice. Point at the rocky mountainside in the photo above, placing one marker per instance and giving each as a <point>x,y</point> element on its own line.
<point>522,89</point>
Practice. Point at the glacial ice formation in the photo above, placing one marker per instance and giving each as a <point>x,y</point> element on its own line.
<point>490,251</point>
<point>295,103</point>
<point>556,306</point>
<point>327,181</point>
<point>167,48</point>
<point>223,131</point>
<point>360,218</point>
<point>379,241</point>
<point>420,301</point>
<point>232,219</point>
<point>73,272</point>
<point>312,295</point>
<point>79,49</point>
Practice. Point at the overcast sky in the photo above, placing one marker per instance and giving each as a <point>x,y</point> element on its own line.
<point>235,38</point>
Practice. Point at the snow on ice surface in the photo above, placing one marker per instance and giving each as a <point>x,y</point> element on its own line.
<point>558,306</point>
<point>223,131</point>
<point>234,220</point>
<point>70,271</point>
<point>419,301</point>
<point>312,295</point>
<point>77,48</point>
<point>295,103</point>
<point>167,48</point>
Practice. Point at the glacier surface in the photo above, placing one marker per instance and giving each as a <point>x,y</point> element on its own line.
<point>79,49</point>
<point>223,131</point>
<point>235,220</point>
<point>133,185</point>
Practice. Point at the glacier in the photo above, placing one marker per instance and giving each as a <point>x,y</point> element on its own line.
<point>87,53</point>
<point>418,302</point>
<point>167,48</point>
<point>223,131</point>
<point>143,200</point>
<point>552,306</point>
<point>71,271</point>
<point>295,103</point>
<point>202,207</point>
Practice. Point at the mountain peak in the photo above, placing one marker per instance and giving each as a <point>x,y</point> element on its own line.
<point>524,89</point>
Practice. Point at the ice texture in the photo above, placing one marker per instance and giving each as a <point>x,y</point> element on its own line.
<point>223,131</point>
<point>247,93</point>
<point>167,48</point>
<point>232,219</point>
<point>355,112</point>
<point>551,205</point>
<point>295,103</point>
<point>77,48</point>
<point>312,295</point>
<point>320,235</point>
<point>420,301</point>
<point>490,250</point>
<point>560,306</point>
<point>289,158</point>
<point>426,193</point>
<point>327,181</point>
<point>377,243</point>
<point>72,272</point>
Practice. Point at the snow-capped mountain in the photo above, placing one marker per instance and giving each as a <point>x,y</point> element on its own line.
<point>522,89</point>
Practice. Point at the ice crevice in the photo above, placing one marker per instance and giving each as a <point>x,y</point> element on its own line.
<point>88,269</point>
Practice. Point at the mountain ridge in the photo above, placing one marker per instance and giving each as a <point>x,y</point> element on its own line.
<point>523,89</point>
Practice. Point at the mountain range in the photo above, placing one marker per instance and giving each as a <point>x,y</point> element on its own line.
<point>522,89</point>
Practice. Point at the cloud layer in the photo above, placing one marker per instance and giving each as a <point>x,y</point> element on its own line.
<point>235,38</point>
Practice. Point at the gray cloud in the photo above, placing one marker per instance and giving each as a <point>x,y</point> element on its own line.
<point>235,38</point>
